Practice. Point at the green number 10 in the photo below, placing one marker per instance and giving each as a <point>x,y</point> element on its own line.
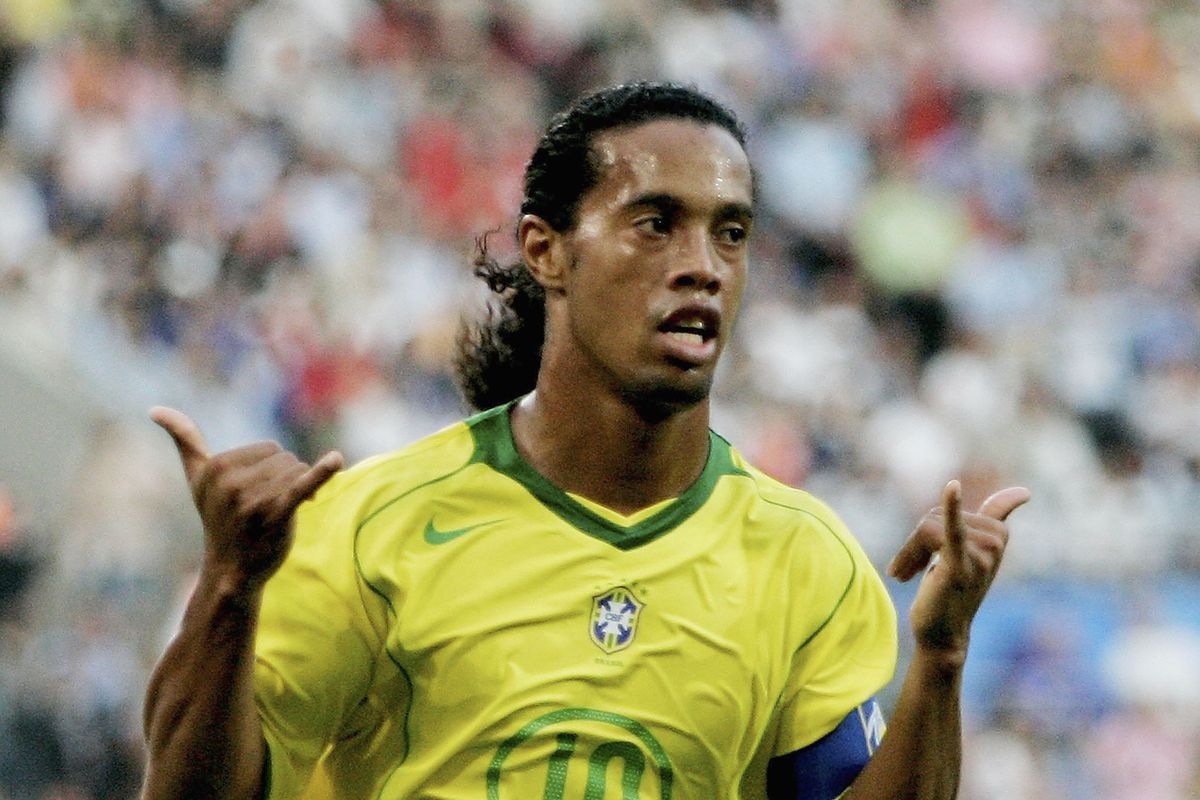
<point>633,757</point>
<point>631,775</point>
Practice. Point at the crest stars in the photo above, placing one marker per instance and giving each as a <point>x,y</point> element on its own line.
<point>614,621</point>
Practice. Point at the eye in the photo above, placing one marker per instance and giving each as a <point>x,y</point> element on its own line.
<point>656,224</point>
<point>732,233</point>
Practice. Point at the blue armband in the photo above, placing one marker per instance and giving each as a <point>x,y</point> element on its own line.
<point>825,768</point>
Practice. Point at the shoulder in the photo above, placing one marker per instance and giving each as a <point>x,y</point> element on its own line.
<point>812,548</point>
<point>788,510</point>
<point>816,563</point>
<point>382,478</point>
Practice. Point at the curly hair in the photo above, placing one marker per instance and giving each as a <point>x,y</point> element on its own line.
<point>498,359</point>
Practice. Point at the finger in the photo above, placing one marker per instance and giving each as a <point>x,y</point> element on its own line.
<point>270,477</point>
<point>315,477</point>
<point>193,450</point>
<point>955,530</point>
<point>1004,502</point>
<point>914,555</point>
<point>985,549</point>
<point>253,455</point>
<point>274,490</point>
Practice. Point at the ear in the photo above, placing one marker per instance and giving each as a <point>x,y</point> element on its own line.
<point>544,252</point>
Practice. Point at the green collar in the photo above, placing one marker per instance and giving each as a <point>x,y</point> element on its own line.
<point>494,446</point>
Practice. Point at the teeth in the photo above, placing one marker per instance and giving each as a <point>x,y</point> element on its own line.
<point>687,336</point>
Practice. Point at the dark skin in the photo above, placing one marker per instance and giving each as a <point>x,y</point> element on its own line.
<point>203,734</point>
<point>662,235</point>
<point>641,295</point>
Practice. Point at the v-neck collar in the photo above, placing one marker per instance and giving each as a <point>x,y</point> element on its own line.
<point>494,446</point>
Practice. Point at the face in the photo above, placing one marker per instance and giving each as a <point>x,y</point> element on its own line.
<point>646,286</point>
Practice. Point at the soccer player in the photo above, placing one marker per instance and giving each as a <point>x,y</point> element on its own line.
<point>580,593</point>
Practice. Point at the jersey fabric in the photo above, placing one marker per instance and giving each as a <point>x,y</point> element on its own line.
<point>449,625</point>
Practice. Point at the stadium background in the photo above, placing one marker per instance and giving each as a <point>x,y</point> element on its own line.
<point>978,254</point>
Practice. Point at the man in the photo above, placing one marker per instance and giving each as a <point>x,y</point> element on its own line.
<point>581,592</point>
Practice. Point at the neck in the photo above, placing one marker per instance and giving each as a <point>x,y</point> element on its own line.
<point>607,449</point>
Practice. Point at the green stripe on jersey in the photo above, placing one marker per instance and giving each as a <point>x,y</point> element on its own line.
<point>494,446</point>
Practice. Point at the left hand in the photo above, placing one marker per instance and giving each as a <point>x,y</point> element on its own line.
<point>965,549</point>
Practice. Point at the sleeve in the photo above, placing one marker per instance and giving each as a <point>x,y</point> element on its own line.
<point>316,646</point>
<point>848,657</point>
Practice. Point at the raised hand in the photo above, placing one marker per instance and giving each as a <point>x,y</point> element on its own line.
<point>965,550</point>
<point>245,497</point>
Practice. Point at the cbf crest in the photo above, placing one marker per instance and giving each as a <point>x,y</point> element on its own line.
<point>615,617</point>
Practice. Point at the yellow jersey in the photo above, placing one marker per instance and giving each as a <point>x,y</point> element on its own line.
<point>450,625</point>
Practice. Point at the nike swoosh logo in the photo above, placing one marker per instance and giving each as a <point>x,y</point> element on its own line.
<point>434,536</point>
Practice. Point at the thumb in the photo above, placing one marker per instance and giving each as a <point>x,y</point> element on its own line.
<point>1004,502</point>
<point>193,451</point>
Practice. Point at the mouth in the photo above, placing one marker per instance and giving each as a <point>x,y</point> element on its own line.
<point>690,334</point>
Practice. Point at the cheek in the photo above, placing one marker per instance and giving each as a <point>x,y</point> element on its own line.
<point>609,271</point>
<point>738,286</point>
<point>608,310</point>
<point>608,306</point>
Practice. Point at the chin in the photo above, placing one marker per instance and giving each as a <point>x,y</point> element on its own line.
<point>660,399</point>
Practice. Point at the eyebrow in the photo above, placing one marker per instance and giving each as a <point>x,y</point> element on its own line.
<point>660,200</point>
<point>669,203</point>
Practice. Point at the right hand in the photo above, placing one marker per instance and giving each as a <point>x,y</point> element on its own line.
<point>245,497</point>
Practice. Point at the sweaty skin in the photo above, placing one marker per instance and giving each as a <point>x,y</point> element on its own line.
<point>660,245</point>
<point>662,235</point>
<point>203,735</point>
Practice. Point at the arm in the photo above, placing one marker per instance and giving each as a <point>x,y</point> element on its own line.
<point>203,735</point>
<point>920,757</point>
<point>202,731</point>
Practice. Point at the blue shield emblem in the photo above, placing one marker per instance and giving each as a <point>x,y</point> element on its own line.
<point>614,619</point>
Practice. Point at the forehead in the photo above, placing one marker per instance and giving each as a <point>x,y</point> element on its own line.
<point>696,162</point>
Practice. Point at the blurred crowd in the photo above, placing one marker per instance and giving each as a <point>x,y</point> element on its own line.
<point>977,254</point>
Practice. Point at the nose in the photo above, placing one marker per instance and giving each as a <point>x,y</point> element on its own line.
<point>697,265</point>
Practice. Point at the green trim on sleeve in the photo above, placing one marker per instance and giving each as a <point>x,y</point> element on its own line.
<point>494,446</point>
<point>849,556</point>
<point>272,763</point>
<point>362,575</point>
<point>265,788</point>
